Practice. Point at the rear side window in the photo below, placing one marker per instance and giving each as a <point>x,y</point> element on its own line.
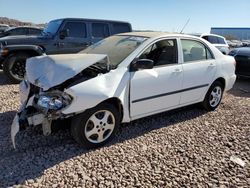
<point>18,31</point>
<point>221,41</point>
<point>194,51</point>
<point>100,30</point>
<point>34,31</point>
<point>76,29</point>
<point>213,39</point>
<point>120,28</point>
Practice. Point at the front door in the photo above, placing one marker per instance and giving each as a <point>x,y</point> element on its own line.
<point>77,40</point>
<point>155,90</point>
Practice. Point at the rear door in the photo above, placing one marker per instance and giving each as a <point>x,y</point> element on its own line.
<point>199,69</point>
<point>157,89</point>
<point>77,40</point>
<point>99,31</point>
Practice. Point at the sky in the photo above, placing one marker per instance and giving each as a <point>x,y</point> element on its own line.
<point>158,15</point>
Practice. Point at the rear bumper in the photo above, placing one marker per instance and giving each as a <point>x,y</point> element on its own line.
<point>230,82</point>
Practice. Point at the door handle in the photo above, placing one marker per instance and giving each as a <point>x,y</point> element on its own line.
<point>177,70</point>
<point>59,44</point>
<point>85,44</point>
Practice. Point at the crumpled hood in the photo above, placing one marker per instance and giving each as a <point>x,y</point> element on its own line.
<point>51,70</point>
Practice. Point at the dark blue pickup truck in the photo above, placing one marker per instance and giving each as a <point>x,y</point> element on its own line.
<point>60,36</point>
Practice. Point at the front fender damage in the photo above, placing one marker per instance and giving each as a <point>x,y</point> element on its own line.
<point>30,114</point>
<point>45,97</point>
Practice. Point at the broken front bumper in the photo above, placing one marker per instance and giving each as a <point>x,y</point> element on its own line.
<point>38,108</point>
<point>20,123</point>
<point>26,117</point>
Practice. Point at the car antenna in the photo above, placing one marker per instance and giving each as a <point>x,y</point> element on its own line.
<point>185,25</point>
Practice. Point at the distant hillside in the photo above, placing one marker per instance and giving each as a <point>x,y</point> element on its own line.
<point>14,22</point>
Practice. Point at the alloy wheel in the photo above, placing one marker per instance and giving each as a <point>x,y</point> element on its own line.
<point>215,96</point>
<point>99,126</point>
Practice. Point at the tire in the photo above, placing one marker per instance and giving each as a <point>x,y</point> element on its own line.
<point>95,127</point>
<point>213,97</point>
<point>14,66</point>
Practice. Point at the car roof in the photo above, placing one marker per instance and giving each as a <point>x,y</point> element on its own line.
<point>29,27</point>
<point>209,34</point>
<point>92,20</point>
<point>243,51</point>
<point>155,34</point>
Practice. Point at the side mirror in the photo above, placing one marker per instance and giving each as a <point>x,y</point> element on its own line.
<point>63,34</point>
<point>142,64</point>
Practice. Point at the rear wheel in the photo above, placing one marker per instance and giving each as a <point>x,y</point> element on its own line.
<point>96,126</point>
<point>14,66</point>
<point>213,96</point>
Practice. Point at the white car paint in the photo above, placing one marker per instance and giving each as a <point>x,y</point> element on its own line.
<point>98,90</point>
<point>143,92</point>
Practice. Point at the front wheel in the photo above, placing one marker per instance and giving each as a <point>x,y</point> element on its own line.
<point>213,96</point>
<point>96,126</point>
<point>14,66</point>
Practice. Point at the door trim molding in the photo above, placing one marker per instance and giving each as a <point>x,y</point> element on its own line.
<point>169,93</point>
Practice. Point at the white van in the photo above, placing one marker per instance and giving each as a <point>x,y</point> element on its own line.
<point>218,41</point>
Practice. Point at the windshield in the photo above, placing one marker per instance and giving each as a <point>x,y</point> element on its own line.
<point>52,27</point>
<point>117,48</point>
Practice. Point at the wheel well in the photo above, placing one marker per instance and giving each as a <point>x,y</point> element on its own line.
<point>222,81</point>
<point>44,49</point>
<point>117,103</point>
<point>29,52</point>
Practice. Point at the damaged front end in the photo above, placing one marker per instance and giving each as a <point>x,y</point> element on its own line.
<point>43,96</point>
<point>38,107</point>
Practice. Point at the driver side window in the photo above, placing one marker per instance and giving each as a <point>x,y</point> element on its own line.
<point>163,52</point>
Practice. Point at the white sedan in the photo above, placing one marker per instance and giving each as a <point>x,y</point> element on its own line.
<point>120,79</point>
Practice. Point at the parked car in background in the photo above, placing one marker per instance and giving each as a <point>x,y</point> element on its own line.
<point>238,43</point>
<point>24,30</point>
<point>242,57</point>
<point>4,27</point>
<point>217,40</point>
<point>119,79</point>
<point>61,36</point>
<point>231,44</point>
<point>245,43</point>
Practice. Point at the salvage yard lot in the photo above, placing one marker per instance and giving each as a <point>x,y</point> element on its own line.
<point>182,148</point>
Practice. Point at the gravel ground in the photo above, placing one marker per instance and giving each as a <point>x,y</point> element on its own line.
<point>187,147</point>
